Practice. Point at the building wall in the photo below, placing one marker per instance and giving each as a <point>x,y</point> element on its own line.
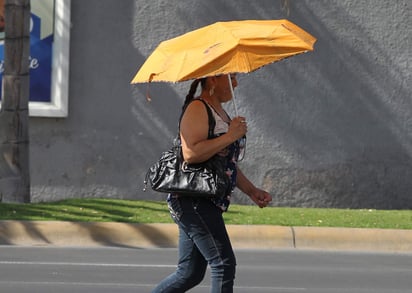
<point>330,128</point>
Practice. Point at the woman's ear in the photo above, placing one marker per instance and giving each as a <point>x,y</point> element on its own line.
<point>213,81</point>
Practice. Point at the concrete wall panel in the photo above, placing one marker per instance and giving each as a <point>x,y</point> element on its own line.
<point>331,128</point>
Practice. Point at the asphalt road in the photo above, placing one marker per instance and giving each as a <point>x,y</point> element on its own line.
<point>126,270</point>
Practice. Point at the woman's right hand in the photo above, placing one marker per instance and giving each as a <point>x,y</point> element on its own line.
<point>237,127</point>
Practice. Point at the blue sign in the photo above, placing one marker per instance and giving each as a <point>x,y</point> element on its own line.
<point>40,63</point>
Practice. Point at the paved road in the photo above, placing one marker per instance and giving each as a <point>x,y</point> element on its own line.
<point>124,270</point>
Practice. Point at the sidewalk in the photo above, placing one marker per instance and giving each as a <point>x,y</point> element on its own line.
<point>165,235</point>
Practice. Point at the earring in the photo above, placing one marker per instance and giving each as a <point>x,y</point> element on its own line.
<point>211,91</point>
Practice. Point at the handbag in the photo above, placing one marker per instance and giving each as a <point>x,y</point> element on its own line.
<point>171,174</point>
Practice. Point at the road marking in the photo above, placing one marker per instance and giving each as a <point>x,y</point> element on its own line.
<point>43,283</point>
<point>40,283</point>
<point>85,264</point>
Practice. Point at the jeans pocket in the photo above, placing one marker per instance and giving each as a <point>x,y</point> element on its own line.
<point>175,208</point>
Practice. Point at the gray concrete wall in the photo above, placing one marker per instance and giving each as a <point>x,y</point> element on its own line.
<point>331,128</point>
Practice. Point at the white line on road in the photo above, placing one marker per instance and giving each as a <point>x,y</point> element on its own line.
<point>43,283</point>
<point>85,264</point>
<point>88,284</point>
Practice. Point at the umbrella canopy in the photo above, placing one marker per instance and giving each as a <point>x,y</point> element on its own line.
<point>224,47</point>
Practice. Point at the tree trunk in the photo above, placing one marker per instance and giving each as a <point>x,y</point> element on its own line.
<point>14,115</point>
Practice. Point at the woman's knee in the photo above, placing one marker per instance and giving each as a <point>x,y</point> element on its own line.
<point>225,267</point>
<point>193,277</point>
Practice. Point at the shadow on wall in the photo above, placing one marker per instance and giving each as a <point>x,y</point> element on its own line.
<point>334,122</point>
<point>346,123</point>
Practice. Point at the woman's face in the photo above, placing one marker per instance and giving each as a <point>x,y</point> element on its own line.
<point>222,87</point>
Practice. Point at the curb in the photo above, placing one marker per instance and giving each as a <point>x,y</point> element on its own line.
<point>56,233</point>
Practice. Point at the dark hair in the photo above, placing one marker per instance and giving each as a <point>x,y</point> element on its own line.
<point>192,90</point>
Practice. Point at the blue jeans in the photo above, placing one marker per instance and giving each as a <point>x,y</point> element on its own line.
<point>203,240</point>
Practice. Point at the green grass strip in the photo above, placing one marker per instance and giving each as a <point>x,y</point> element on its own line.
<point>137,211</point>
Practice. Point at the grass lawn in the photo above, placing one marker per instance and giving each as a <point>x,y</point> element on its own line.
<point>113,210</point>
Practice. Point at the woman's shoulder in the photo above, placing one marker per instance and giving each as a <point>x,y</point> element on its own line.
<point>198,101</point>
<point>195,109</point>
<point>197,105</point>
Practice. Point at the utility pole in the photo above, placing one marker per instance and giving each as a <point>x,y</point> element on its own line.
<point>14,114</point>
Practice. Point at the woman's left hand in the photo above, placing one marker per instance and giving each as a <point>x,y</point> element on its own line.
<point>261,197</point>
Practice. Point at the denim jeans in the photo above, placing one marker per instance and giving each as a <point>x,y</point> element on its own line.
<point>203,240</point>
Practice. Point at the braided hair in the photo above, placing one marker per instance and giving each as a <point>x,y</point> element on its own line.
<point>192,90</point>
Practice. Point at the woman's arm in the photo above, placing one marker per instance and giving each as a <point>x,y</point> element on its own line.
<point>194,129</point>
<point>257,195</point>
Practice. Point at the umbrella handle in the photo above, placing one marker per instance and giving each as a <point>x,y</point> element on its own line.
<point>233,95</point>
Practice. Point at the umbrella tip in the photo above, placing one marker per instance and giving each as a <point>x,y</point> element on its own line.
<point>148,97</point>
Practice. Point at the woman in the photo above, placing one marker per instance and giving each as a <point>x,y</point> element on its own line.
<point>203,238</point>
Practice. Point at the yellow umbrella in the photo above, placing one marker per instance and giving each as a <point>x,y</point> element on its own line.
<point>224,47</point>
